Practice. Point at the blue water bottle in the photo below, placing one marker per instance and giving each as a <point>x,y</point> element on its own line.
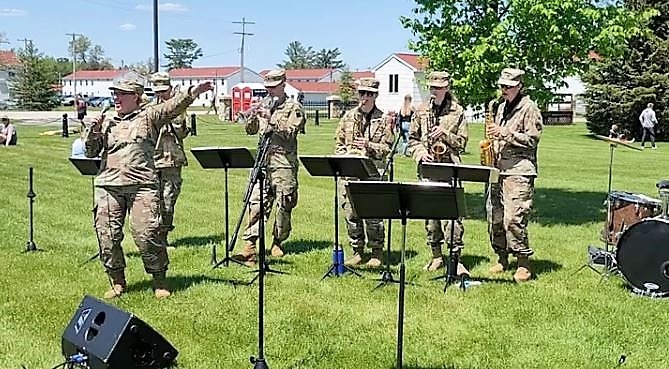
<point>338,260</point>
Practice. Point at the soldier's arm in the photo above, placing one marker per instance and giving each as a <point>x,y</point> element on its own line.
<point>181,129</point>
<point>93,141</point>
<point>533,126</point>
<point>340,137</point>
<point>379,150</point>
<point>170,109</point>
<point>458,135</point>
<point>416,148</point>
<point>293,125</point>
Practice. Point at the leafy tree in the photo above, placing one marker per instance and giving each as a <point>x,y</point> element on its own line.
<point>550,39</point>
<point>182,52</point>
<point>346,89</point>
<point>298,57</point>
<point>33,86</point>
<point>619,88</point>
<point>144,67</point>
<point>328,58</point>
<point>61,67</point>
<point>87,55</point>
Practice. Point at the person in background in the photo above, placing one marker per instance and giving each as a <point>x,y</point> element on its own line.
<point>8,136</point>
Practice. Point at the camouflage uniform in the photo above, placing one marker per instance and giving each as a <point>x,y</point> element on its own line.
<point>169,159</point>
<point>510,201</point>
<point>451,118</point>
<point>128,182</point>
<point>287,118</point>
<point>375,127</point>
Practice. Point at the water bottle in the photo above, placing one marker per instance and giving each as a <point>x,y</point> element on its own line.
<point>338,261</point>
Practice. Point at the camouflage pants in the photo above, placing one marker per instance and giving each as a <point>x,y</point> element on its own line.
<point>142,204</point>
<point>280,185</point>
<point>439,230</point>
<point>356,227</point>
<point>508,206</point>
<point>170,184</point>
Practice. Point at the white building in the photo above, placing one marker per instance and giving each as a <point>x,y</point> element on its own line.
<point>400,74</point>
<point>224,78</point>
<point>90,82</point>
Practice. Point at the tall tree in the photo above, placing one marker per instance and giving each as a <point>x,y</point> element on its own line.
<point>619,88</point>
<point>80,46</point>
<point>143,67</point>
<point>87,55</point>
<point>33,86</point>
<point>346,88</point>
<point>182,52</point>
<point>328,58</point>
<point>298,56</point>
<point>550,39</point>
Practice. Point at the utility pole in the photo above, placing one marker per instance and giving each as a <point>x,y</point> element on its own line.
<point>243,33</point>
<point>26,42</point>
<point>74,63</point>
<point>155,36</point>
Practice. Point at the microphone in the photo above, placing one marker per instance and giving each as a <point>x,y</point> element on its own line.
<point>105,107</point>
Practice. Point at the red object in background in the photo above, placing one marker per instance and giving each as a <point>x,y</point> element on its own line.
<point>241,99</point>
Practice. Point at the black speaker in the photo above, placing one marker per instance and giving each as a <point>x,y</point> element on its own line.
<point>114,339</point>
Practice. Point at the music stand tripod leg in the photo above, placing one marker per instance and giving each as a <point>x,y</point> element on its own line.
<point>94,229</point>
<point>227,259</point>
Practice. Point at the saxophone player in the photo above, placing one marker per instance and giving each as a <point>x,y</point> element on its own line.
<point>285,118</point>
<point>364,130</point>
<point>439,133</point>
<point>516,132</point>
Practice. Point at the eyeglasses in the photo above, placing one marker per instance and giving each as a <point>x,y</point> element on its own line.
<point>505,87</point>
<point>366,93</point>
<point>122,93</point>
<point>437,87</point>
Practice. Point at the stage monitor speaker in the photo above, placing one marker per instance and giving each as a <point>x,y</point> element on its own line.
<point>114,339</point>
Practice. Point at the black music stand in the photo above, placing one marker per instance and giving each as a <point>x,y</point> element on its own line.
<point>455,174</point>
<point>336,166</point>
<point>89,167</point>
<point>226,158</point>
<point>404,201</point>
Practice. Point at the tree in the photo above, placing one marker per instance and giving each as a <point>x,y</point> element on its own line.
<point>87,55</point>
<point>550,39</point>
<point>346,89</point>
<point>328,58</point>
<point>298,57</point>
<point>33,86</point>
<point>182,52</point>
<point>619,88</point>
<point>144,68</point>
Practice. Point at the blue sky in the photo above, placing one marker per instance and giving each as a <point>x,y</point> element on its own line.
<point>365,31</point>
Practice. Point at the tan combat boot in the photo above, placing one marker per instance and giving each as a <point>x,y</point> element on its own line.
<point>118,284</point>
<point>160,285</point>
<point>356,259</point>
<point>376,259</point>
<point>277,250</point>
<point>248,254</point>
<point>501,265</point>
<point>461,270</point>
<point>437,260</point>
<point>523,273</point>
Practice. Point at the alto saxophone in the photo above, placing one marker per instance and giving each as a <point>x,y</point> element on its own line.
<point>437,148</point>
<point>486,145</point>
<point>357,133</point>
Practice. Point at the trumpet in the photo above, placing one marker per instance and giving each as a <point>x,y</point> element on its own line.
<point>437,148</point>
<point>265,103</point>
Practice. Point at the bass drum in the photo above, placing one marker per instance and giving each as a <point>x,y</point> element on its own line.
<point>643,257</point>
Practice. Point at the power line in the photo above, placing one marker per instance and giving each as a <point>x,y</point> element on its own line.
<point>243,33</point>
<point>74,61</point>
<point>26,42</point>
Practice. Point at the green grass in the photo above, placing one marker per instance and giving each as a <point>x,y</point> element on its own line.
<point>558,320</point>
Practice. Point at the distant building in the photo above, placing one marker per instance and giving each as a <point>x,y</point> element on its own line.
<point>400,74</point>
<point>8,65</point>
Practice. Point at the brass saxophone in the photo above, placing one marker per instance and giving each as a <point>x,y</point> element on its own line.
<point>486,145</point>
<point>437,148</point>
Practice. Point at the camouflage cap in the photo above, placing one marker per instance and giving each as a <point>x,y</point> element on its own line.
<point>160,81</point>
<point>511,77</point>
<point>128,86</point>
<point>368,84</point>
<point>4,118</point>
<point>275,77</point>
<point>438,79</point>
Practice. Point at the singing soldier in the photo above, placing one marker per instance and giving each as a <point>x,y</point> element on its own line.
<point>367,131</point>
<point>439,133</point>
<point>285,118</point>
<point>516,132</point>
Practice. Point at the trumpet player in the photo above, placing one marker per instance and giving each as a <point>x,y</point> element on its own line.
<point>439,133</point>
<point>169,157</point>
<point>364,130</point>
<point>516,132</point>
<point>284,118</point>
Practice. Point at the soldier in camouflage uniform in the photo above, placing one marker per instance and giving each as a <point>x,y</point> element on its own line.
<point>128,181</point>
<point>364,130</point>
<point>440,121</point>
<point>516,132</point>
<point>285,118</point>
<point>170,156</point>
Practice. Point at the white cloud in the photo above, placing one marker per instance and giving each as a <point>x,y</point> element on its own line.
<point>127,27</point>
<point>6,12</point>
<point>165,7</point>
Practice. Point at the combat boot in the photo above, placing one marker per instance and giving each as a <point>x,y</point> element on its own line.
<point>376,259</point>
<point>118,284</point>
<point>437,260</point>
<point>523,273</point>
<point>356,259</point>
<point>247,255</point>
<point>160,285</point>
<point>461,270</point>
<point>501,265</point>
<point>277,250</point>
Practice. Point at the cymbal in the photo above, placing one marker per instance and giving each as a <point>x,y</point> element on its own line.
<point>617,142</point>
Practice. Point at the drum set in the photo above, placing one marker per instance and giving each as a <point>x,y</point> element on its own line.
<point>637,230</point>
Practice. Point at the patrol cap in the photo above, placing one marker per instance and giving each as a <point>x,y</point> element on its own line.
<point>160,81</point>
<point>511,77</point>
<point>438,79</point>
<point>368,84</point>
<point>127,86</point>
<point>275,77</point>
<point>4,118</point>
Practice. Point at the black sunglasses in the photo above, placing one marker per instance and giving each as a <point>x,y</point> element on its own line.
<point>365,93</point>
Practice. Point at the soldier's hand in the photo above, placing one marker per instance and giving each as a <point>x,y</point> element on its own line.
<point>426,158</point>
<point>96,125</point>
<point>360,142</point>
<point>437,131</point>
<point>202,87</point>
<point>496,131</point>
<point>264,112</point>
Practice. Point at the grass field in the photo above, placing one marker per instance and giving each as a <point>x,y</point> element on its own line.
<point>558,320</point>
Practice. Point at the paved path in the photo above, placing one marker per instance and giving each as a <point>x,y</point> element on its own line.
<point>54,117</point>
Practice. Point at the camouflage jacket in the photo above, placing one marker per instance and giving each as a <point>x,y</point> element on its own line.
<point>127,145</point>
<point>287,120</point>
<point>516,151</point>
<point>455,138</point>
<point>378,131</point>
<point>170,147</point>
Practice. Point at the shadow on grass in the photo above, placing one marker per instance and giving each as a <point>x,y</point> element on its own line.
<point>303,246</point>
<point>198,241</point>
<point>181,282</point>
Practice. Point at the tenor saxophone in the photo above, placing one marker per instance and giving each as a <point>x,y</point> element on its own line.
<point>357,133</point>
<point>437,148</point>
<point>486,145</point>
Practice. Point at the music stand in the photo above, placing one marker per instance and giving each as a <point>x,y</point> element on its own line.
<point>89,167</point>
<point>393,200</point>
<point>226,158</point>
<point>336,166</point>
<point>455,174</point>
